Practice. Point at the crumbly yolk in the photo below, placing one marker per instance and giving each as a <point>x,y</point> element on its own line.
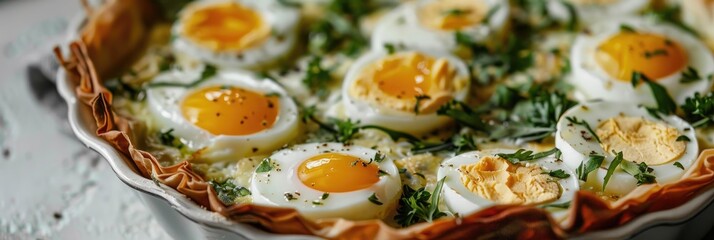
<point>225,26</point>
<point>452,14</point>
<point>641,140</point>
<point>651,54</point>
<point>230,110</point>
<point>498,180</point>
<point>336,172</point>
<point>405,78</point>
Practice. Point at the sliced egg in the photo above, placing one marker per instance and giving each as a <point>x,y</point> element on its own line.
<point>236,33</point>
<point>604,60</point>
<point>480,179</point>
<point>592,11</point>
<point>403,90</point>
<point>230,115</point>
<point>626,128</point>
<point>329,180</point>
<point>432,24</point>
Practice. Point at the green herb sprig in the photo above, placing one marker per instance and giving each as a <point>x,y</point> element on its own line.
<point>419,205</point>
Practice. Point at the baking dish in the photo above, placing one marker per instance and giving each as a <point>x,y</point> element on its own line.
<point>183,218</point>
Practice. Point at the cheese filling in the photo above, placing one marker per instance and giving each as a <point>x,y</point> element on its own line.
<point>641,140</point>
<point>498,180</point>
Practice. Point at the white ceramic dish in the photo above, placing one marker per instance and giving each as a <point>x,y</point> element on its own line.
<point>184,219</point>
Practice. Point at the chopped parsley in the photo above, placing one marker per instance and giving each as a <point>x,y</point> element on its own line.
<point>658,52</point>
<point>574,120</point>
<point>526,155</point>
<point>419,205</point>
<point>560,173</point>
<point>374,199</point>
<point>699,109</point>
<point>419,98</point>
<point>390,48</point>
<point>690,75</point>
<point>378,157</point>
<point>456,12</point>
<point>641,172</point>
<point>591,164</point>
<point>324,196</point>
<point>316,77</point>
<point>534,118</point>
<point>683,138</point>
<point>227,191</point>
<point>168,139</point>
<point>265,166</point>
<point>611,169</point>
<point>665,103</point>
<point>563,205</point>
<point>627,28</point>
<point>463,115</point>
<point>679,165</point>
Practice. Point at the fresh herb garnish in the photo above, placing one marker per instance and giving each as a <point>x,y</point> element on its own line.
<point>699,109</point>
<point>611,169</point>
<point>627,28</point>
<point>265,166</point>
<point>526,155</point>
<point>463,115</point>
<point>690,75</point>
<point>290,196</point>
<point>208,72</point>
<point>679,165</point>
<point>378,157</point>
<point>574,120</point>
<point>227,191</point>
<point>391,49</point>
<point>374,199</point>
<point>459,143</point>
<point>534,118</point>
<point>167,138</point>
<point>419,205</point>
<point>658,52</point>
<point>324,196</point>
<point>339,28</point>
<point>665,103</point>
<point>419,98</point>
<point>670,14</point>
<point>640,171</point>
<point>560,173</point>
<point>316,77</point>
<point>381,173</point>
<point>591,164</point>
<point>683,138</point>
<point>456,12</point>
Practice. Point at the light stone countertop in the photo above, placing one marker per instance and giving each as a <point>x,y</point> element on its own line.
<point>53,186</point>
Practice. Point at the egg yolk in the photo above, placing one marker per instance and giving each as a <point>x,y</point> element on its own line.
<point>452,14</point>
<point>653,55</point>
<point>225,26</point>
<point>230,110</point>
<point>336,172</point>
<point>405,78</point>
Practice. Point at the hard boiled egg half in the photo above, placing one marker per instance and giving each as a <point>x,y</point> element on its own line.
<point>328,180</point>
<point>605,57</point>
<point>480,179</point>
<point>403,90</point>
<point>666,144</point>
<point>229,115</point>
<point>432,24</point>
<point>236,33</point>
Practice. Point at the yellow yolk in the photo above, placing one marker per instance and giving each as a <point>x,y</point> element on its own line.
<point>225,26</point>
<point>230,110</point>
<point>405,78</point>
<point>452,14</point>
<point>335,172</point>
<point>653,55</point>
<point>641,140</point>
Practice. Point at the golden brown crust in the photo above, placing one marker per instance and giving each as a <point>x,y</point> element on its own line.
<point>588,211</point>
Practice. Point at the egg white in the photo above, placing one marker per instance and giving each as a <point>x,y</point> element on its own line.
<point>369,113</point>
<point>592,13</point>
<point>402,27</point>
<point>592,82</point>
<point>461,200</point>
<point>282,20</point>
<point>576,149</point>
<point>165,104</point>
<point>269,188</point>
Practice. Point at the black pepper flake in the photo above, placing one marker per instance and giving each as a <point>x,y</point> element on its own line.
<point>6,153</point>
<point>255,149</point>
<point>57,215</point>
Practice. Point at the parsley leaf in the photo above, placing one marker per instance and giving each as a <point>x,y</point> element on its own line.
<point>168,139</point>
<point>683,138</point>
<point>679,165</point>
<point>265,166</point>
<point>690,75</point>
<point>574,120</point>
<point>641,172</point>
<point>227,191</point>
<point>534,118</point>
<point>670,14</point>
<point>316,77</point>
<point>463,115</point>
<point>699,109</point>
<point>627,28</point>
<point>611,169</point>
<point>419,98</point>
<point>591,164</point>
<point>563,205</point>
<point>374,199</point>
<point>526,155</point>
<point>560,173</point>
<point>665,103</point>
<point>417,206</point>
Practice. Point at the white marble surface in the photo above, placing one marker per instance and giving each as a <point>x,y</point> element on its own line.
<point>53,186</point>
